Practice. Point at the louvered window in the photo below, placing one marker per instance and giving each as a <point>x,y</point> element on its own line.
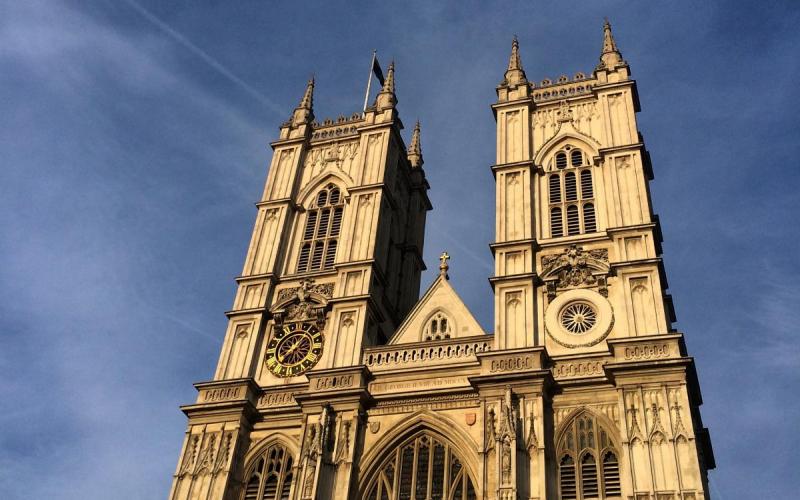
<point>589,478</point>
<point>556,222</point>
<point>561,160</point>
<point>555,188</point>
<point>589,488</point>
<point>321,231</point>
<point>568,184</point>
<point>570,187</point>
<point>271,477</point>
<point>589,224</point>
<point>611,474</point>
<point>586,185</point>
<point>567,478</point>
<point>573,220</point>
<point>423,467</point>
<point>577,158</point>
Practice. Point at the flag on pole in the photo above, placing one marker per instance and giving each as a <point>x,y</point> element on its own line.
<point>376,69</point>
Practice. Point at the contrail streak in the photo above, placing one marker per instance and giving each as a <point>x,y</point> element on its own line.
<point>175,35</point>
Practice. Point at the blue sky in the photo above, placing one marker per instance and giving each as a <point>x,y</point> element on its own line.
<point>134,140</point>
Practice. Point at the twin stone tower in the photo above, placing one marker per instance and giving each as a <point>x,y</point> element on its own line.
<point>337,381</point>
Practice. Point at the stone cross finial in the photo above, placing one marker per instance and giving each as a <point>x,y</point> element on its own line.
<point>444,266</point>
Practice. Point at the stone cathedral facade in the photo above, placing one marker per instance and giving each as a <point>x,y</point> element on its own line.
<point>337,381</point>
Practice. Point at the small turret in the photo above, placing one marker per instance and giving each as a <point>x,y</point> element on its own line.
<point>611,58</point>
<point>304,112</point>
<point>414,149</point>
<point>514,75</point>
<point>386,98</point>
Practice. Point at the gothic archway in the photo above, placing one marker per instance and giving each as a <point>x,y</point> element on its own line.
<point>423,465</point>
<point>588,458</point>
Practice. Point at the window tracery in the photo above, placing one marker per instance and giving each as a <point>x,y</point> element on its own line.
<point>588,467</point>
<point>423,467</point>
<point>321,232</point>
<point>271,477</point>
<point>438,327</point>
<point>571,193</point>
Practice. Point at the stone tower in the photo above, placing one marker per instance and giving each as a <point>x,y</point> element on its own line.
<point>336,381</point>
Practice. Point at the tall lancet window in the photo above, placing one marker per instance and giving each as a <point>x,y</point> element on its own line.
<point>588,467</point>
<point>321,232</point>
<point>424,467</point>
<point>271,477</point>
<point>571,194</point>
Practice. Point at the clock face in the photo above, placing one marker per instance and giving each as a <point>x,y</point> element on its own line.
<point>294,349</point>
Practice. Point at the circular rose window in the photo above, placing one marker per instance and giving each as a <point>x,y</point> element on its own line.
<point>578,317</point>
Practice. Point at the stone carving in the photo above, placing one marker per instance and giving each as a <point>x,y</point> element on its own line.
<point>308,302</point>
<point>576,267</point>
<point>508,418</point>
<point>469,419</point>
<point>205,462</point>
<point>223,454</point>
<point>490,429</point>
<point>676,408</point>
<point>443,402</point>
<point>374,427</point>
<point>647,351</point>
<point>343,442</point>
<point>531,442</point>
<point>578,369</point>
<point>564,113</point>
<point>275,399</point>
<point>190,455</point>
<point>306,286</point>
<point>633,429</point>
<point>506,461</point>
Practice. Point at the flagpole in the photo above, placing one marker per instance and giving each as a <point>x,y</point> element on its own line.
<point>369,81</point>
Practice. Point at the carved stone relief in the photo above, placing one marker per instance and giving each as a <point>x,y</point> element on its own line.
<point>576,267</point>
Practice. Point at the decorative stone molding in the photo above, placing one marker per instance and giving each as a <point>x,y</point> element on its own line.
<point>555,324</point>
<point>410,405</point>
<point>306,302</point>
<point>576,267</point>
<point>452,350</point>
<point>577,369</point>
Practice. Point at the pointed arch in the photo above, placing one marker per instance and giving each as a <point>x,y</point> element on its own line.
<point>588,456</point>
<point>568,136</point>
<point>438,325</point>
<point>307,196</point>
<point>269,469</point>
<point>440,429</point>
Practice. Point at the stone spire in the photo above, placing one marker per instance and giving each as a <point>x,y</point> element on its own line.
<point>304,112</point>
<point>414,149</point>
<point>514,75</point>
<point>386,98</point>
<point>611,57</point>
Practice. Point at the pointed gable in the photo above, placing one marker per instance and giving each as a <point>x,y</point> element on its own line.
<point>439,314</point>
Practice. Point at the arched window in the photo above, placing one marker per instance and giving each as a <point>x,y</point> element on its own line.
<point>556,222</point>
<point>561,160</point>
<point>555,188</point>
<point>573,220</point>
<point>596,474</point>
<point>425,466</point>
<point>589,223</point>
<point>271,477</point>
<point>576,180</point>
<point>438,327</point>
<point>321,232</point>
